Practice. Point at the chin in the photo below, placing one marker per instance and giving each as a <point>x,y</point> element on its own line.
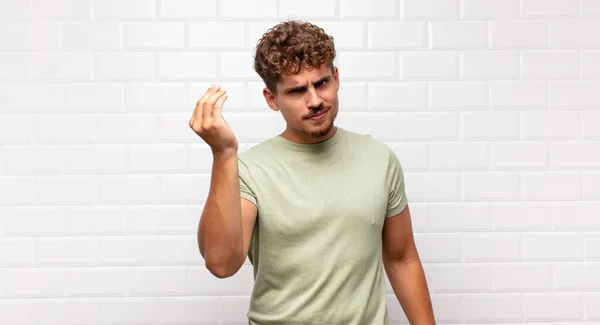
<point>320,131</point>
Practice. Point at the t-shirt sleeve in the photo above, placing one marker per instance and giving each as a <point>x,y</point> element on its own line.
<point>246,183</point>
<point>397,200</point>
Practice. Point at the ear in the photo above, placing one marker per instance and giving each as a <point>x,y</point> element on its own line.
<point>270,99</point>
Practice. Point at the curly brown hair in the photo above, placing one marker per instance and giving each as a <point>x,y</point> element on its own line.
<point>290,46</point>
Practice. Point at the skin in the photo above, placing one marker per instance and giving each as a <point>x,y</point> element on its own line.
<point>228,220</point>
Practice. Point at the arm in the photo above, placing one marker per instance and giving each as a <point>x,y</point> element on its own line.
<point>404,269</point>
<point>227,220</point>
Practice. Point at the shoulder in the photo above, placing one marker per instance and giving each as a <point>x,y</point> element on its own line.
<point>369,146</point>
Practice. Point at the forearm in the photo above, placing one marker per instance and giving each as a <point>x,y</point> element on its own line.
<point>220,230</point>
<point>410,287</point>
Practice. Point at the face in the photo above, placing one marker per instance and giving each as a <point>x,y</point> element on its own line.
<point>308,102</point>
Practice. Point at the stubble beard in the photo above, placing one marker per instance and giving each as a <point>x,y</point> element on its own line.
<point>323,130</point>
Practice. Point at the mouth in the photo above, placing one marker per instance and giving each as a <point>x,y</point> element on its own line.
<point>319,115</point>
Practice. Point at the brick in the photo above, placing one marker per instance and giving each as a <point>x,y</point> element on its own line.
<point>22,160</point>
<point>100,36</point>
<point>33,283</point>
<point>187,9</point>
<point>463,95</point>
<point>552,307</point>
<point>555,247</point>
<point>491,125</point>
<point>155,97</point>
<point>576,276</point>
<point>179,250</point>
<point>439,248</point>
<point>426,187</point>
<point>550,65</point>
<point>14,67</point>
<point>237,66</point>
<point>161,159</point>
<point>431,9</point>
<point>125,66</point>
<point>239,305</point>
<point>463,278</point>
<point>519,34</point>
<point>418,213</point>
<point>16,190</point>
<point>522,277</point>
<point>521,216</point>
<point>552,186</point>
<point>128,189</point>
<point>169,128</point>
<point>204,283</point>
<point>95,220</point>
<point>14,11</point>
<point>491,9</point>
<point>127,251</point>
<point>95,282</point>
<point>590,64</point>
<point>492,307</point>
<point>159,281</point>
<point>519,95</point>
<point>591,185</point>
<point>575,155</point>
<point>17,312</point>
<point>65,190</point>
<point>66,311</point>
<point>260,9</point>
<point>413,156</point>
<point>551,125</point>
<point>519,155</point>
<point>62,67</point>
<point>187,66</point>
<point>357,9</point>
<point>463,35</point>
<point>94,97</point>
<point>97,159</point>
<point>199,158</point>
<point>574,34</point>
<point>29,37</point>
<point>222,35</point>
<point>576,94</point>
<point>124,9</point>
<point>459,156</point>
<point>130,310</point>
<point>581,216</point>
<point>352,97</point>
<point>592,246</point>
<point>346,34</point>
<point>155,220</point>
<point>503,247</point>
<point>425,65</point>
<point>447,307</point>
<point>63,129</point>
<point>486,65</point>
<point>16,252</point>
<point>15,129</point>
<point>591,8</point>
<point>407,35</point>
<point>32,98</point>
<point>252,128</point>
<point>430,126</point>
<point>397,96</point>
<point>184,189</point>
<point>62,9</point>
<point>459,217</point>
<point>550,9</point>
<point>33,221</point>
<point>65,251</point>
<point>189,310</point>
<point>154,36</point>
<point>119,128</point>
<point>385,65</point>
<point>591,300</point>
<point>237,93</point>
<point>305,9</point>
<point>491,186</point>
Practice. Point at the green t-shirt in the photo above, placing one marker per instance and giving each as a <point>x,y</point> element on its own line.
<point>316,248</point>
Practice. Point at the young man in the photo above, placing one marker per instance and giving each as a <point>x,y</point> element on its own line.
<point>320,211</point>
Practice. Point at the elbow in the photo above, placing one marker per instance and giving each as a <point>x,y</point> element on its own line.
<point>221,270</point>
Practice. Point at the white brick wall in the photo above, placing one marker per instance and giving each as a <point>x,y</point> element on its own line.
<point>493,107</point>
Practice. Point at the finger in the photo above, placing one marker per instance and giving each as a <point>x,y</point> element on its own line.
<point>209,104</point>
<point>218,109</point>
<point>199,104</point>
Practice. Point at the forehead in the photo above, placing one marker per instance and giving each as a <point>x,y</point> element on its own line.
<point>304,76</point>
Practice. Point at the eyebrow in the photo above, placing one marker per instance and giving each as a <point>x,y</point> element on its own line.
<point>303,87</point>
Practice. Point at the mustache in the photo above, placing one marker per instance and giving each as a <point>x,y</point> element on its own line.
<point>316,111</point>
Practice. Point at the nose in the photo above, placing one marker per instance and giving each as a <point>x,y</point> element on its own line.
<point>314,101</point>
